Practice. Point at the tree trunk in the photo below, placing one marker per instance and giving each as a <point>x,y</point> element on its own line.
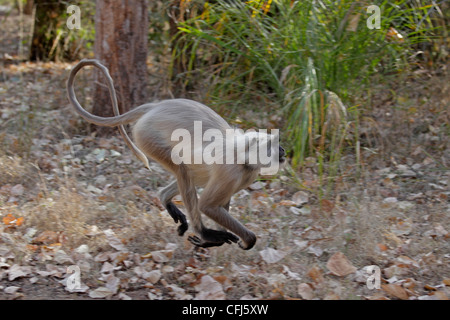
<point>28,8</point>
<point>121,45</point>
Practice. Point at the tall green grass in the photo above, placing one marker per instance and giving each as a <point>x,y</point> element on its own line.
<point>306,57</point>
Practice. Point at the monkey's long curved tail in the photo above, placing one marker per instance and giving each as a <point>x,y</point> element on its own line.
<point>118,120</point>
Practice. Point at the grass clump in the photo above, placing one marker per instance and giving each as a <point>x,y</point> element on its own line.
<point>306,61</point>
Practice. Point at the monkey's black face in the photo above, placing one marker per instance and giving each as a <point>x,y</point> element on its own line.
<point>281,155</point>
<point>281,152</point>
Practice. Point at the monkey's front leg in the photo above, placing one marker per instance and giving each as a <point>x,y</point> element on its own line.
<point>214,235</point>
<point>222,217</point>
<point>212,205</point>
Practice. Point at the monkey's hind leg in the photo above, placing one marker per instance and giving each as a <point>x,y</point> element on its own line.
<point>177,215</point>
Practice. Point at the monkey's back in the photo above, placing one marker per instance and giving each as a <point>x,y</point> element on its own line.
<point>152,132</point>
<point>168,115</point>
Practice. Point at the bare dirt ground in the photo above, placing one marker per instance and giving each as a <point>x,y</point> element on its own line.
<point>70,198</point>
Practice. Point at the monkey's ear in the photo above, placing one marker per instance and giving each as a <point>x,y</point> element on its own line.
<point>274,137</point>
<point>251,140</point>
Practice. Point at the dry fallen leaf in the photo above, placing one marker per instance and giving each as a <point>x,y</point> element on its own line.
<point>161,255</point>
<point>101,292</point>
<point>221,278</point>
<point>316,274</point>
<point>153,276</point>
<point>440,295</point>
<point>339,265</point>
<point>428,287</point>
<point>376,296</point>
<point>17,190</point>
<point>11,289</point>
<point>112,283</point>
<point>395,290</point>
<point>107,267</point>
<point>123,296</point>
<point>290,274</point>
<point>404,261</point>
<point>287,203</point>
<point>114,241</point>
<point>300,198</point>
<point>9,220</point>
<point>19,221</point>
<point>46,237</point>
<point>402,227</point>
<point>177,292</point>
<point>271,255</point>
<point>317,251</point>
<point>209,289</point>
<point>276,280</point>
<point>331,296</point>
<point>305,291</point>
<point>327,205</point>
<point>440,230</point>
<point>256,185</point>
<point>17,271</point>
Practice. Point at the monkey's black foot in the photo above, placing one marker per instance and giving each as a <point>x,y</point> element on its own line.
<point>182,228</point>
<point>177,216</point>
<point>196,241</point>
<point>210,235</point>
<point>213,238</point>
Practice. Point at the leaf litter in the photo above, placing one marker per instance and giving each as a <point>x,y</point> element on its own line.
<point>79,200</point>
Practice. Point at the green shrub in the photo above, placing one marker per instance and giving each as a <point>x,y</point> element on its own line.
<point>307,57</point>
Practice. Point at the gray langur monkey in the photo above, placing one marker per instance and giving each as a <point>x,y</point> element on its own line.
<point>152,133</point>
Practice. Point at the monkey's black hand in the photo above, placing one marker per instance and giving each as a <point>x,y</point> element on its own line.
<point>177,215</point>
